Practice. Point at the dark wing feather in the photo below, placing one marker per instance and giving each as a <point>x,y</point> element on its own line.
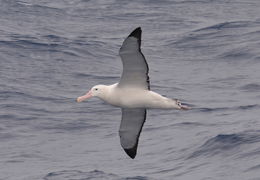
<point>135,67</point>
<point>130,129</point>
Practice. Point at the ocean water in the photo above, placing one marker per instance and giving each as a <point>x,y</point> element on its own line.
<point>204,52</point>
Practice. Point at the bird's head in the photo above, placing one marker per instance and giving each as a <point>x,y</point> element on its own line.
<point>98,91</point>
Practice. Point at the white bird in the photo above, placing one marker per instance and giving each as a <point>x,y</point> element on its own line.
<point>132,94</point>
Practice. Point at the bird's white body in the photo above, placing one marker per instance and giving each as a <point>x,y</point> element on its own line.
<point>131,97</point>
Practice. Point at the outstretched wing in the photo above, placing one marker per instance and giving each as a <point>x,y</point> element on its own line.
<point>135,67</point>
<point>130,129</point>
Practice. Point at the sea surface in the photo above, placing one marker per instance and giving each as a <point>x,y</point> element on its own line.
<point>204,52</point>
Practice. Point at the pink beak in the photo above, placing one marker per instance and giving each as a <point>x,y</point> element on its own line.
<point>86,96</point>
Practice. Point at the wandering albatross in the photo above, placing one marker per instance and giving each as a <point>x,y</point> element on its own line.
<point>132,94</point>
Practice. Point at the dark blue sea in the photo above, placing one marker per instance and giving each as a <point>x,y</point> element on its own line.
<point>204,52</point>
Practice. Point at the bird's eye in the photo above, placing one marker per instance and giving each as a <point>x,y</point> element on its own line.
<point>96,89</point>
<point>179,103</point>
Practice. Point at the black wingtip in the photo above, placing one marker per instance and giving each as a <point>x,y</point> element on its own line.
<point>136,33</point>
<point>131,152</point>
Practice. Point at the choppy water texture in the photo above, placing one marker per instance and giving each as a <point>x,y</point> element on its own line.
<point>204,52</point>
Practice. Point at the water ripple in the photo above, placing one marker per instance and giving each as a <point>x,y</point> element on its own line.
<point>224,109</point>
<point>252,87</point>
<point>225,142</point>
<point>80,175</point>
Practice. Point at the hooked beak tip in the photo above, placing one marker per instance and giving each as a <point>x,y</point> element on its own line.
<point>78,100</point>
<point>86,96</point>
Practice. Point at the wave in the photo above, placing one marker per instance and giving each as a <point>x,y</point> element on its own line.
<point>213,32</point>
<point>67,126</point>
<point>85,75</point>
<point>253,168</point>
<point>5,95</point>
<point>37,45</point>
<point>225,25</point>
<point>53,43</point>
<point>95,174</point>
<point>225,41</point>
<point>252,87</point>
<point>224,109</point>
<point>226,142</point>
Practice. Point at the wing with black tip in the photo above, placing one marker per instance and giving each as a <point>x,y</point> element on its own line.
<point>130,129</point>
<point>135,67</point>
